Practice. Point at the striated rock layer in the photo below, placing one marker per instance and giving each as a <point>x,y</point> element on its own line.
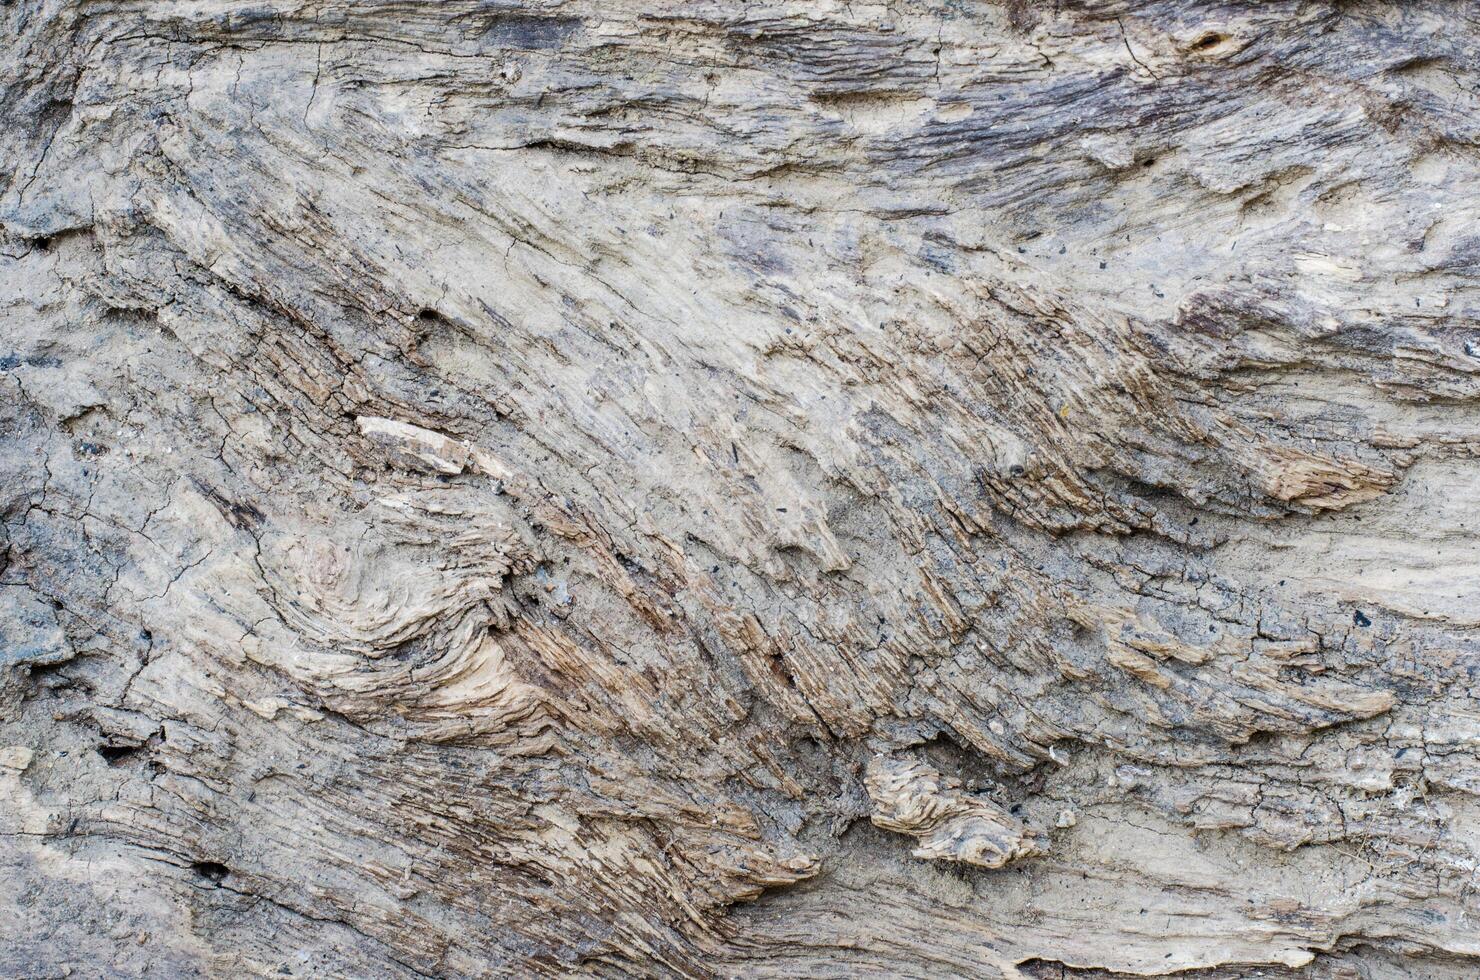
<point>739,489</point>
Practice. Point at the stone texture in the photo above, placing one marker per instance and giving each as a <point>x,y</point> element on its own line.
<point>739,489</point>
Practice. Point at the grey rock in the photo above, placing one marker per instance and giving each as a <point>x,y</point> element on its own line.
<point>703,490</point>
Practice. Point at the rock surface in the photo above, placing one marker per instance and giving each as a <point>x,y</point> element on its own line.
<point>739,489</point>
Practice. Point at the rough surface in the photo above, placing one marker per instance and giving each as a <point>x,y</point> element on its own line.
<point>739,489</point>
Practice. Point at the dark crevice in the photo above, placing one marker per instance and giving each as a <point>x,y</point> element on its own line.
<point>214,871</point>
<point>115,754</point>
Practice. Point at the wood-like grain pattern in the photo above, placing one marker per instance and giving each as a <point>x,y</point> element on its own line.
<point>722,489</point>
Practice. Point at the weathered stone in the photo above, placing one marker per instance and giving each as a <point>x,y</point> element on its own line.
<point>733,489</point>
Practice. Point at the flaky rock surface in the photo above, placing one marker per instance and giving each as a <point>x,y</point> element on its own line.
<point>739,489</point>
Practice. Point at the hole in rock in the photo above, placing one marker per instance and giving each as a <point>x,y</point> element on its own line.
<point>115,754</point>
<point>212,870</point>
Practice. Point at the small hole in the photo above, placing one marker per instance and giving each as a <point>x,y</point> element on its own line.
<point>213,870</point>
<point>1148,161</point>
<point>115,754</point>
<point>1207,41</point>
<point>429,316</point>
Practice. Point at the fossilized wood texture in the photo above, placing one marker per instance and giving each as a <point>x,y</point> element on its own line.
<point>739,489</point>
